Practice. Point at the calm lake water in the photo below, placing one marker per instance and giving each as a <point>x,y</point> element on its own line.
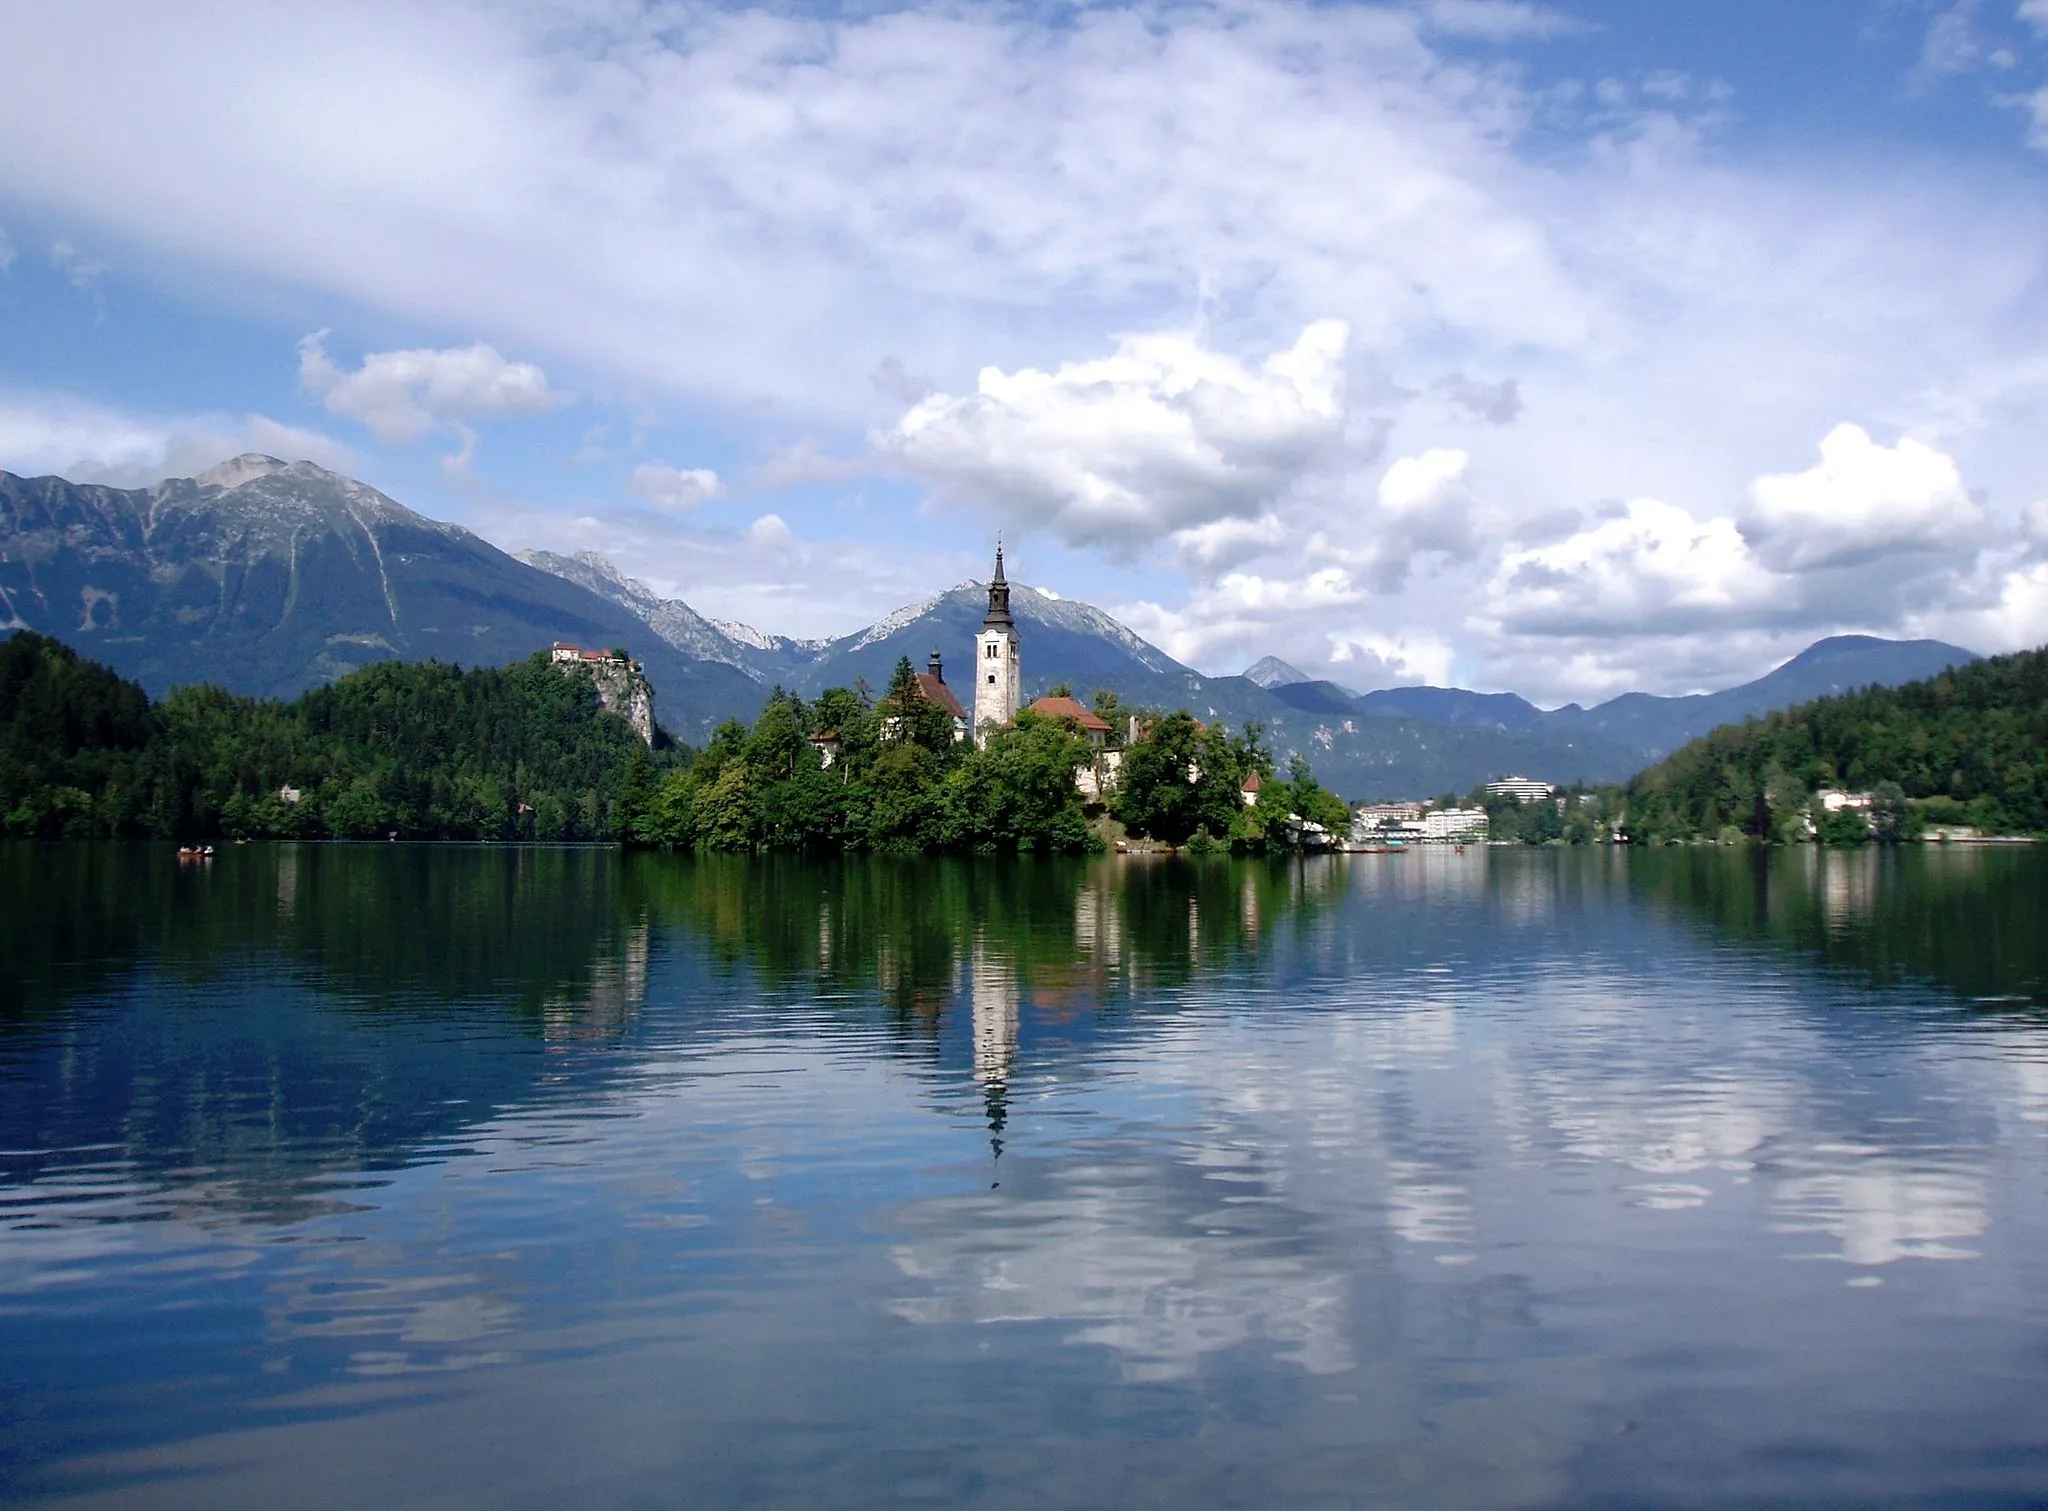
<point>395,1176</point>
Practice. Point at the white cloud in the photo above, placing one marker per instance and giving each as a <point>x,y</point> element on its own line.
<point>769,533</point>
<point>2035,14</point>
<point>1497,20</point>
<point>1224,542</point>
<point>806,463</point>
<point>1366,659</point>
<point>45,434</point>
<point>81,272</point>
<point>1652,568</point>
<point>1425,504</point>
<point>1951,45</point>
<point>2035,106</point>
<point>800,222</point>
<point>403,395</point>
<point>676,488</point>
<point>1861,501</point>
<point>1163,435</point>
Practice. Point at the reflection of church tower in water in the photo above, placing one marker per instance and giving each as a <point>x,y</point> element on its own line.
<point>998,679</point>
<point>992,999</point>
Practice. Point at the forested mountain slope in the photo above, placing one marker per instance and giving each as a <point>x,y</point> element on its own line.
<point>420,750</point>
<point>1967,745</point>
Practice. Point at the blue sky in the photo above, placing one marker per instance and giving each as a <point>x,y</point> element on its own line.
<point>1564,348</point>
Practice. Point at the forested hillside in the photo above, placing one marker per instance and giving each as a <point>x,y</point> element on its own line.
<point>1963,747</point>
<point>420,750</point>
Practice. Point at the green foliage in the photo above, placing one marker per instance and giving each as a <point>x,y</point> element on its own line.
<point>1018,792</point>
<point>910,718</point>
<point>422,750</point>
<point>1182,777</point>
<point>1961,747</point>
<point>525,752</point>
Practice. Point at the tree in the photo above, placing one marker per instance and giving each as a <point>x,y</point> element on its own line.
<point>1181,777</point>
<point>1109,708</point>
<point>780,744</point>
<point>725,809</point>
<point>1017,792</point>
<point>908,715</point>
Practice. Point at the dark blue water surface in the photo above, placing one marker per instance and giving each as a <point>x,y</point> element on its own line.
<point>395,1176</point>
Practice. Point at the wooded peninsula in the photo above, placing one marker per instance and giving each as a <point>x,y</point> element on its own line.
<point>428,750</point>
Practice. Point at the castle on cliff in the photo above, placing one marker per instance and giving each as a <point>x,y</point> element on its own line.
<point>621,689</point>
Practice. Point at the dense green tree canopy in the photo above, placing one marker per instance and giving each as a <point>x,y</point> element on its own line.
<point>1963,747</point>
<point>432,751</point>
<point>423,750</point>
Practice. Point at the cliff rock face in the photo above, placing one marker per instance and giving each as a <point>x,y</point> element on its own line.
<point>622,689</point>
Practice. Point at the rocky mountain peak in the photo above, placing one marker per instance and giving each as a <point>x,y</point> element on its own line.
<point>1271,671</point>
<point>237,470</point>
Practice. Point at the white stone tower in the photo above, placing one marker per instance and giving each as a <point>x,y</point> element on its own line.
<point>998,679</point>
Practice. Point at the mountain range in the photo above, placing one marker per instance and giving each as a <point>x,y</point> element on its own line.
<point>268,577</point>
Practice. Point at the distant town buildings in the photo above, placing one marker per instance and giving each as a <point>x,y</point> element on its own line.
<point>1453,824</point>
<point>1521,788</point>
<point>1416,823</point>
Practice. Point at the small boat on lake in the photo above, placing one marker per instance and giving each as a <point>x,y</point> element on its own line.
<point>195,852</point>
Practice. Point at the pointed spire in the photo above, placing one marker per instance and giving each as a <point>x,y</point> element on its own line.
<point>998,594</point>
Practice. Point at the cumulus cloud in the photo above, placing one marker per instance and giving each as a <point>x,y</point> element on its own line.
<point>1861,501</point>
<point>1225,542</point>
<point>676,488</point>
<point>403,395</point>
<point>1652,566</point>
<point>1368,659</point>
<point>816,216</point>
<point>770,533</point>
<point>1165,434</point>
<point>45,434</point>
<point>2035,14</point>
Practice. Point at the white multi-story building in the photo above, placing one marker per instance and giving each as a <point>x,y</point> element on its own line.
<point>1521,788</point>
<point>1451,824</point>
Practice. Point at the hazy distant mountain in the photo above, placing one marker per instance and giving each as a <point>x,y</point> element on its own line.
<point>1454,705</point>
<point>1271,671</point>
<point>269,577</point>
<point>1626,733</point>
<point>1839,664</point>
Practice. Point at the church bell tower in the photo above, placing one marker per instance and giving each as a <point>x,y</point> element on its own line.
<point>998,680</point>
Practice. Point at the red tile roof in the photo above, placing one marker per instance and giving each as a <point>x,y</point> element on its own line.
<point>1067,708</point>
<point>1254,782</point>
<point>937,692</point>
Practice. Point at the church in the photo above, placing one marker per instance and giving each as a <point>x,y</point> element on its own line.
<point>998,676</point>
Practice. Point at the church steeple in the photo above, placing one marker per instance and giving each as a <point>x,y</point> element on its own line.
<point>998,595</point>
<point>998,674</point>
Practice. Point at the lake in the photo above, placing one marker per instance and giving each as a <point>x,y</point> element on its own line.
<point>437,1176</point>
